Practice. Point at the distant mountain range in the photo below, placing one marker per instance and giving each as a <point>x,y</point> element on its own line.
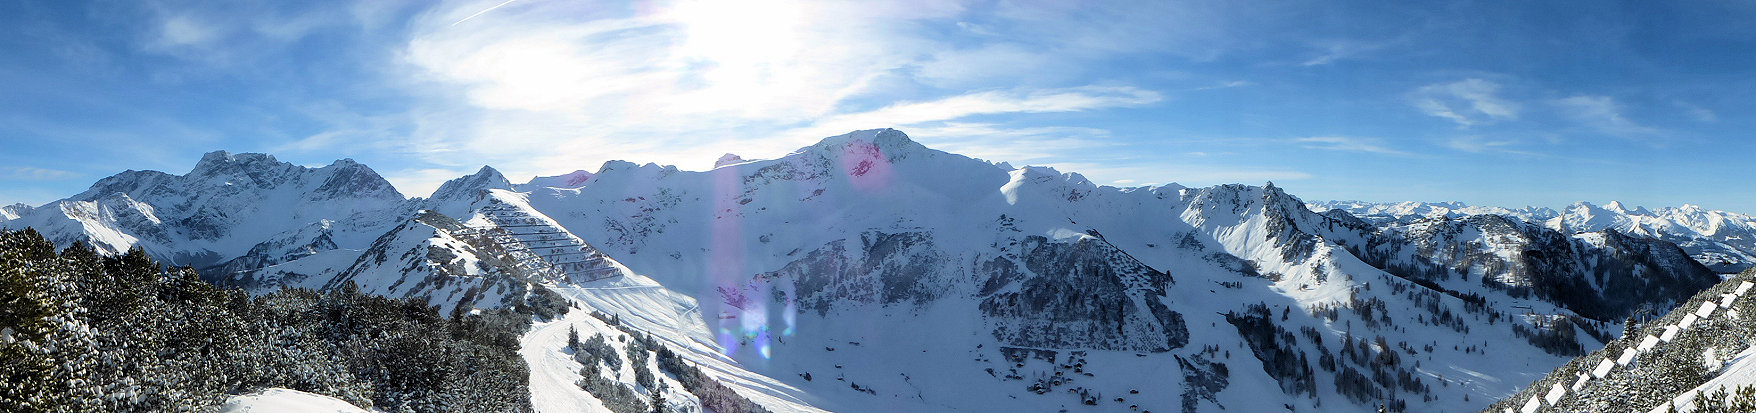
<point>1724,241</point>
<point>870,273</point>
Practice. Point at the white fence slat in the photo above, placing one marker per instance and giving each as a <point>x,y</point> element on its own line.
<point>1627,357</point>
<point>1532,405</point>
<point>1647,343</point>
<point>1603,368</point>
<point>1555,393</point>
<point>1670,333</point>
<point>1706,309</point>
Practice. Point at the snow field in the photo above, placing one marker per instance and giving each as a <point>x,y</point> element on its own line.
<point>278,400</point>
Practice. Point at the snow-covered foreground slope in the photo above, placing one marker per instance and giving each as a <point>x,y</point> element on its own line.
<point>1740,372</point>
<point>1724,241</point>
<point>1704,344</point>
<point>287,401</point>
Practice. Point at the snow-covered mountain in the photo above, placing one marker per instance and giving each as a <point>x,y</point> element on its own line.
<point>1724,241</point>
<point>1027,279</point>
<point>1380,212</point>
<point>246,207</point>
<point>11,212</point>
<point>870,273</point>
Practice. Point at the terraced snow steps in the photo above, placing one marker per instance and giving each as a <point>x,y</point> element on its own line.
<point>1531,406</point>
<point>1743,288</point>
<point>1687,321</point>
<point>1670,333</point>
<point>1580,384</point>
<point>1627,357</point>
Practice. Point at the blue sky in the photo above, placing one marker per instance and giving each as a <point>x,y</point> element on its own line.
<point>1490,103</point>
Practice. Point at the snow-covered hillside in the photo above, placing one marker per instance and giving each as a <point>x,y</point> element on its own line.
<point>1724,241</point>
<point>870,273</point>
<point>1704,344</point>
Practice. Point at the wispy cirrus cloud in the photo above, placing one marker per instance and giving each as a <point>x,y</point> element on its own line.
<point>1483,144</point>
<point>1603,114</point>
<point>1468,102</point>
<point>1700,114</point>
<point>1350,144</point>
<point>29,173</point>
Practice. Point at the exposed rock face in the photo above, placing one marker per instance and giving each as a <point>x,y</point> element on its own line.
<point>1081,294</point>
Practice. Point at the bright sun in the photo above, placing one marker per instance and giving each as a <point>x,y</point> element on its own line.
<point>737,48</point>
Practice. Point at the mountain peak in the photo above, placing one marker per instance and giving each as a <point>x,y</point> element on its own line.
<point>217,161</point>
<point>468,185</point>
<point>569,180</point>
<point>728,159</point>
<point>890,142</point>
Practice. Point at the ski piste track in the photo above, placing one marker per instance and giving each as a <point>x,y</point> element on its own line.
<point>1557,392</point>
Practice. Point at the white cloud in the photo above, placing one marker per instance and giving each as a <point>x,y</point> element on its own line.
<point>1482,144</point>
<point>985,103</point>
<point>184,30</point>
<point>1349,144</point>
<point>545,87</point>
<point>1700,114</point>
<point>27,173</point>
<point>1603,114</point>
<point>1227,85</point>
<point>1468,102</point>
<point>1333,51</point>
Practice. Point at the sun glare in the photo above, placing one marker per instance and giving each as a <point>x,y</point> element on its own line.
<point>736,49</point>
